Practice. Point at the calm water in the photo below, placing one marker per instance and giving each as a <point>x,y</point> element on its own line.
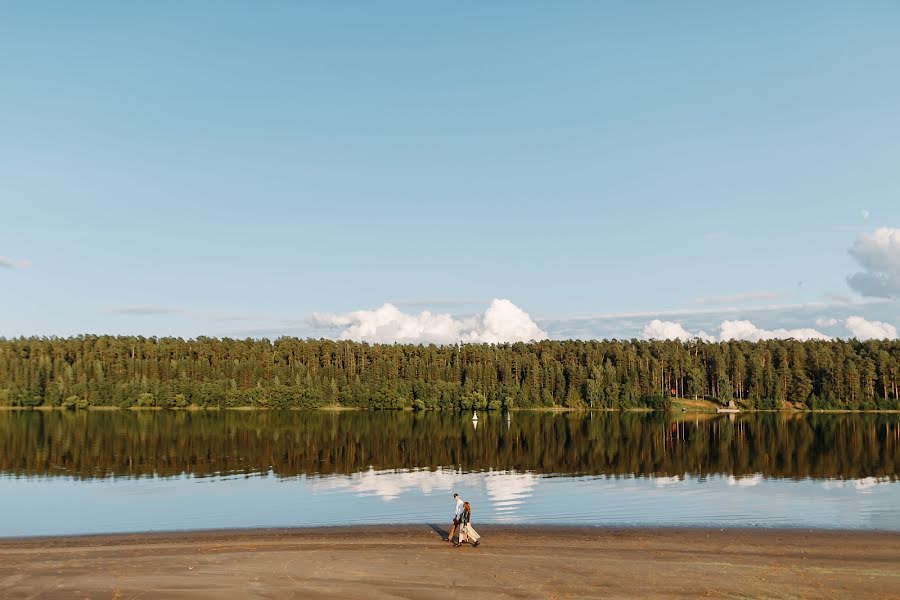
<point>94,472</point>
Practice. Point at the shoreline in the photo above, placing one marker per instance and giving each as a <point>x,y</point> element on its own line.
<point>328,530</point>
<point>412,561</point>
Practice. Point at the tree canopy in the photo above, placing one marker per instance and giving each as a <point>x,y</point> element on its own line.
<point>290,372</point>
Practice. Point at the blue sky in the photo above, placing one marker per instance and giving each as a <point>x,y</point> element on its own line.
<point>233,168</point>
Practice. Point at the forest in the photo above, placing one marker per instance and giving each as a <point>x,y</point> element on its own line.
<point>121,371</point>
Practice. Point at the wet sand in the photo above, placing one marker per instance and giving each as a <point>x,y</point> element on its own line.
<point>413,562</point>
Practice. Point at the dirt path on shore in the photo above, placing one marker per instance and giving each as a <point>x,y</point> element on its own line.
<point>412,562</point>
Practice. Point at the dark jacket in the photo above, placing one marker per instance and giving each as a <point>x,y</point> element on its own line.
<point>464,517</point>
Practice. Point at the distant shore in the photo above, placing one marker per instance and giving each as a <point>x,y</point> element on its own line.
<point>412,561</point>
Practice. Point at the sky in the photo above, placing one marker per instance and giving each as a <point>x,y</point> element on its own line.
<point>476,171</point>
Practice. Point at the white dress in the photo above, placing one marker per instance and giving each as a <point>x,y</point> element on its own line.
<point>467,533</point>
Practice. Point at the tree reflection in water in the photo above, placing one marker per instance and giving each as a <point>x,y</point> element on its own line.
<point>98,444</point>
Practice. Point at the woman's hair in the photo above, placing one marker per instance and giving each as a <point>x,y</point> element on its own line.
<point>467,506</point>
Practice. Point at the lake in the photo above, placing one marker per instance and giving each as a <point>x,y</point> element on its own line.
<point>117,471</point>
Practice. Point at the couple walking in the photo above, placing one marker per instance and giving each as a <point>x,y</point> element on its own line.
<point>462,518</point>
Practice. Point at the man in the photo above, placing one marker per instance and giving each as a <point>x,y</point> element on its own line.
<point>456,514</point>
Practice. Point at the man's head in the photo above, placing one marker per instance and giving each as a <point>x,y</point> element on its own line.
<point>456,496</point>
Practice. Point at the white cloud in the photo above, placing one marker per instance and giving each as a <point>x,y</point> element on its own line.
<point>859,327</point>
<point>503,321</point>
<point>670,330</point>
<point>728,330</point>
<point>746,330</point>
<point>864,213</point>
<point>878,253</point>
<point>863,329</point>
<point>10,263</point>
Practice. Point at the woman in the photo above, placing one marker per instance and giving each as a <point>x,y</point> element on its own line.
<point>467,533</point>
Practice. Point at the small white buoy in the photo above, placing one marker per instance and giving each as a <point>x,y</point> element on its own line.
<point>474,415</point>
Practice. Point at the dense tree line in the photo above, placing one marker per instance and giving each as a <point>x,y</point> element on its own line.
<point>289,372</point>
<point>291,443</point>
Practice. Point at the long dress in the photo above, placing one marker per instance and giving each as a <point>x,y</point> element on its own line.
<point>467,533</point>
<point>471,534</point>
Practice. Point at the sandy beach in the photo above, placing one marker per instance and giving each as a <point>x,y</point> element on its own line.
<point>413,562</point>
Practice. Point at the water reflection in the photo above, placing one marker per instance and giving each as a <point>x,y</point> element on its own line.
<point>746,481</point>
<point>744,448</point>
<point>421,496</point>
<point>508,491</point>
<point>390,485</point>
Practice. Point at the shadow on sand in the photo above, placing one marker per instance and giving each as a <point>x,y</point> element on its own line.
<point>442,533</point>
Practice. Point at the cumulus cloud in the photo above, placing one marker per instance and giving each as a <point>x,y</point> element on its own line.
<point>670,330</point>
<point>503,321</point>
<point>10,263</point>
<point>863,329</point>
<point>857,326</point>
<point>746,330</point>
<point>728,330</point>
<point>878,253</point>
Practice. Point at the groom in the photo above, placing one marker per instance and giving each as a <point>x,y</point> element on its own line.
<point>456,513</point>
